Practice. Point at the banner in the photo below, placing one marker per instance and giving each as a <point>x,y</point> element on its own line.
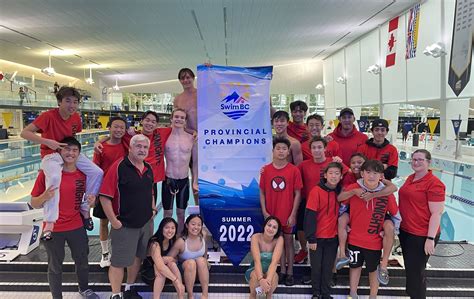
<point>392,42</point>
<point>234,142</point>
<point>412,31</point>
<point>432,123</point>
<point>461,46</point>
<point>456,125</point>
<point>7,119</point>
<point>362,125</point>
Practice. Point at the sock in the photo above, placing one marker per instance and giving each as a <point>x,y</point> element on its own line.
<point>105,246</point>
<point>128,286</point>
<point>120,294</point>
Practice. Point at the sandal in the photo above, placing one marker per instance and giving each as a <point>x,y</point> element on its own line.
<point>88,223</point>
<point>341,262</point>
<point>47,235</point>
<point>382,275</point>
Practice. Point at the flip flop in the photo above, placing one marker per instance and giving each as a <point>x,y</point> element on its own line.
<point>382,275</point>
<point>47,235</point>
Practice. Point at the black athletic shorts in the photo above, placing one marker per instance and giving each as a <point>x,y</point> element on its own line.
<point>358,255</point>
<point>172,188</point>
<point>99,211</point>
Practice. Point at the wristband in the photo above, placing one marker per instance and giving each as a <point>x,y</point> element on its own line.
<point>430,238</point>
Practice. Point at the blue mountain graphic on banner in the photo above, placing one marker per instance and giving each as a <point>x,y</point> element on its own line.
<point>234,106</point>
<point>232,97</point>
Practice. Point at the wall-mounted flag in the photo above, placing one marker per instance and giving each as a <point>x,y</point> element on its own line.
<point>392,42</point>
<point>412,31</point>
<point>461,46</point>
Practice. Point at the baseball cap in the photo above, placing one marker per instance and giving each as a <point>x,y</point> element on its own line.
<point>379,123</point>
<point>346,110</point>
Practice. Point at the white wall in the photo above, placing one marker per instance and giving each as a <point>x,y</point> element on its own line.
<point>353,75</point>
<point>414,80</point>
<point>339,66</point>
<point>370,55</point>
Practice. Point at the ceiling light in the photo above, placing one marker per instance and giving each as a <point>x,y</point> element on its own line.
<point>374,69</point>
<point>90,80</point>
<point>319,86</point>
<point>49,71</point>
<point>435,50</point>
<point>341,80</point>
<point>116,87</point>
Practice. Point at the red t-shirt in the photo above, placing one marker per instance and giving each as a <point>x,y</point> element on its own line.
<point>414,198</point>
<point>71,191</point>
<point>110,154</point>
<point>348,144</point>
<point>52,126</point>
<point>279,186</point>
<point>300,132</point>
<point>348,179</point>
<point>387,154</point>
<point>325,203</point>
<point>366,219</point>
<point>156,152</point>
<point>332,150</point>
<point>312,173</point>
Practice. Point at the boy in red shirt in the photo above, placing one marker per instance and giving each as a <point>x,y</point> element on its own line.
<point>68,227</point>
<point>352,177</point>
<point>280,120</point>
<point>54,125</point>
<point>312,171</point>
<point>366,218</point>
<point>320,229</point>
<point>315,124</point>
<point>297,128</point>
<point>280,189</point>
<point>112,150</point>
<point>379,148</point>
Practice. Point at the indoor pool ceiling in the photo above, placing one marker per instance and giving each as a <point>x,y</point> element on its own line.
<point>149,41</point>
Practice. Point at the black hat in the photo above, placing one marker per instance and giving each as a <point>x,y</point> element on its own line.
<point>346,110</point>
<point>379,123</point>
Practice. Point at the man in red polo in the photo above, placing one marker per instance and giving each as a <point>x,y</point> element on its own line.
<point>346,134</point>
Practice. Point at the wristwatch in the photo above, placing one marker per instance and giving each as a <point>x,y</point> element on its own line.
<point>430,238</point>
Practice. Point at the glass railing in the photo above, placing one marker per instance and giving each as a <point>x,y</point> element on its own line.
<point>458,218</point>
<point>9,98</point>
<point>20,162</point>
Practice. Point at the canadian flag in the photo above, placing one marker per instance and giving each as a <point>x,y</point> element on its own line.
<point>392,42</point>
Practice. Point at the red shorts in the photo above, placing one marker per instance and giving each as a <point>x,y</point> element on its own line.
<point>288,229</point>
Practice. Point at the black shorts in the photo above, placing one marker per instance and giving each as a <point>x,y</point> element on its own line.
<point>175,187</point>
<point>300,216</point>
<point>99,211</point>
<point>358,255</point>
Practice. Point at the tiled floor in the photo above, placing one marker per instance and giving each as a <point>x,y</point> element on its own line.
<point>32,295</point>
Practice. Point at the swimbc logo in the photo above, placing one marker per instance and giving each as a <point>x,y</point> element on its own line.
<point>235,106</point>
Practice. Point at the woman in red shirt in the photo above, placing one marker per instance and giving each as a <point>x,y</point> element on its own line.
<point>421,204</point>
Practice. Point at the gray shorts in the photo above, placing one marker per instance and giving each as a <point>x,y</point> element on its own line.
<point>128,243</point>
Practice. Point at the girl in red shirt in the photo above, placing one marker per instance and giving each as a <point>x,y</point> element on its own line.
<point>421,203</point>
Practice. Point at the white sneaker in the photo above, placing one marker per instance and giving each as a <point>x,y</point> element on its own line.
<point>105,261</point>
